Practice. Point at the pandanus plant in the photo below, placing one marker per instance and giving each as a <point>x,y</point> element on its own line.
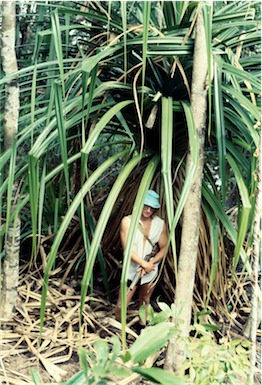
<point>106,113</point>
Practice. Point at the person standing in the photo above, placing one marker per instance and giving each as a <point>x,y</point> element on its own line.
<point>151,231</point>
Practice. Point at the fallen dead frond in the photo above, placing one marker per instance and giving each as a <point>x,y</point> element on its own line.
<point>54,353</point>
<point>62,334</point>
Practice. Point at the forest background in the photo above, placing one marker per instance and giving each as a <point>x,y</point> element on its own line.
<point>100,101</point>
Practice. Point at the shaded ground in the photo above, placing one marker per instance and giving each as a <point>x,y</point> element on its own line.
<point>54,356</point>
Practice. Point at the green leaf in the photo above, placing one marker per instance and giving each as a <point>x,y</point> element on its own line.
<point>33,171</point>
<point>244,217</point>
<point>58,45</point>
<point>194,150</point>
<point>146,17</point>
<point>210,327</point>
<point>160,376</point>
<point>36,377</point>
<point>217,208</point>
<point>77,379</point>
<point>122,372</point>
<point>102,123</point>
<point>115,350</point>
<point>101,224</point>
<point>150,341</point>
<point>64,226</point>
<point>166,162</point>
<point>59,112</point>
<point>137,209</point>
<point>214,235</point>
<point>102,349</point>
<point>82,357</point>
<point>220,126</point>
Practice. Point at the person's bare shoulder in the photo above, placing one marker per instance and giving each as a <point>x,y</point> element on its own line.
<point>125,222</point>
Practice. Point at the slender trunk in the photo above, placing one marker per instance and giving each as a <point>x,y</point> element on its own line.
<point>9,64</point>
<point>10,273</point>
<point>192,209</point>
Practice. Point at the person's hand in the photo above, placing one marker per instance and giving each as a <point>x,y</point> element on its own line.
<point>148,267</point>
<point>142,271</point>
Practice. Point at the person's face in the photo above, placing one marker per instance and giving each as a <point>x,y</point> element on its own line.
<point>148,211</point>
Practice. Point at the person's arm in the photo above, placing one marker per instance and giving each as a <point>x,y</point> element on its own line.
<point>162,243</point>
<point>146,266</point>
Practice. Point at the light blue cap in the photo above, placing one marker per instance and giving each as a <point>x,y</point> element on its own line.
<point>152,199</point>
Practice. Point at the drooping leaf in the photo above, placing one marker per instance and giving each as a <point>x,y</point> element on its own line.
<point>149,341</point>
<point>160,376</point>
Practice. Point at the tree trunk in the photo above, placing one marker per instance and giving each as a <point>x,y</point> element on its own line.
<point>10,268</point>
<point>192,209</point>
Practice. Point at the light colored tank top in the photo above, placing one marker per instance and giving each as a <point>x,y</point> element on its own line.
<point>138,246</point>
